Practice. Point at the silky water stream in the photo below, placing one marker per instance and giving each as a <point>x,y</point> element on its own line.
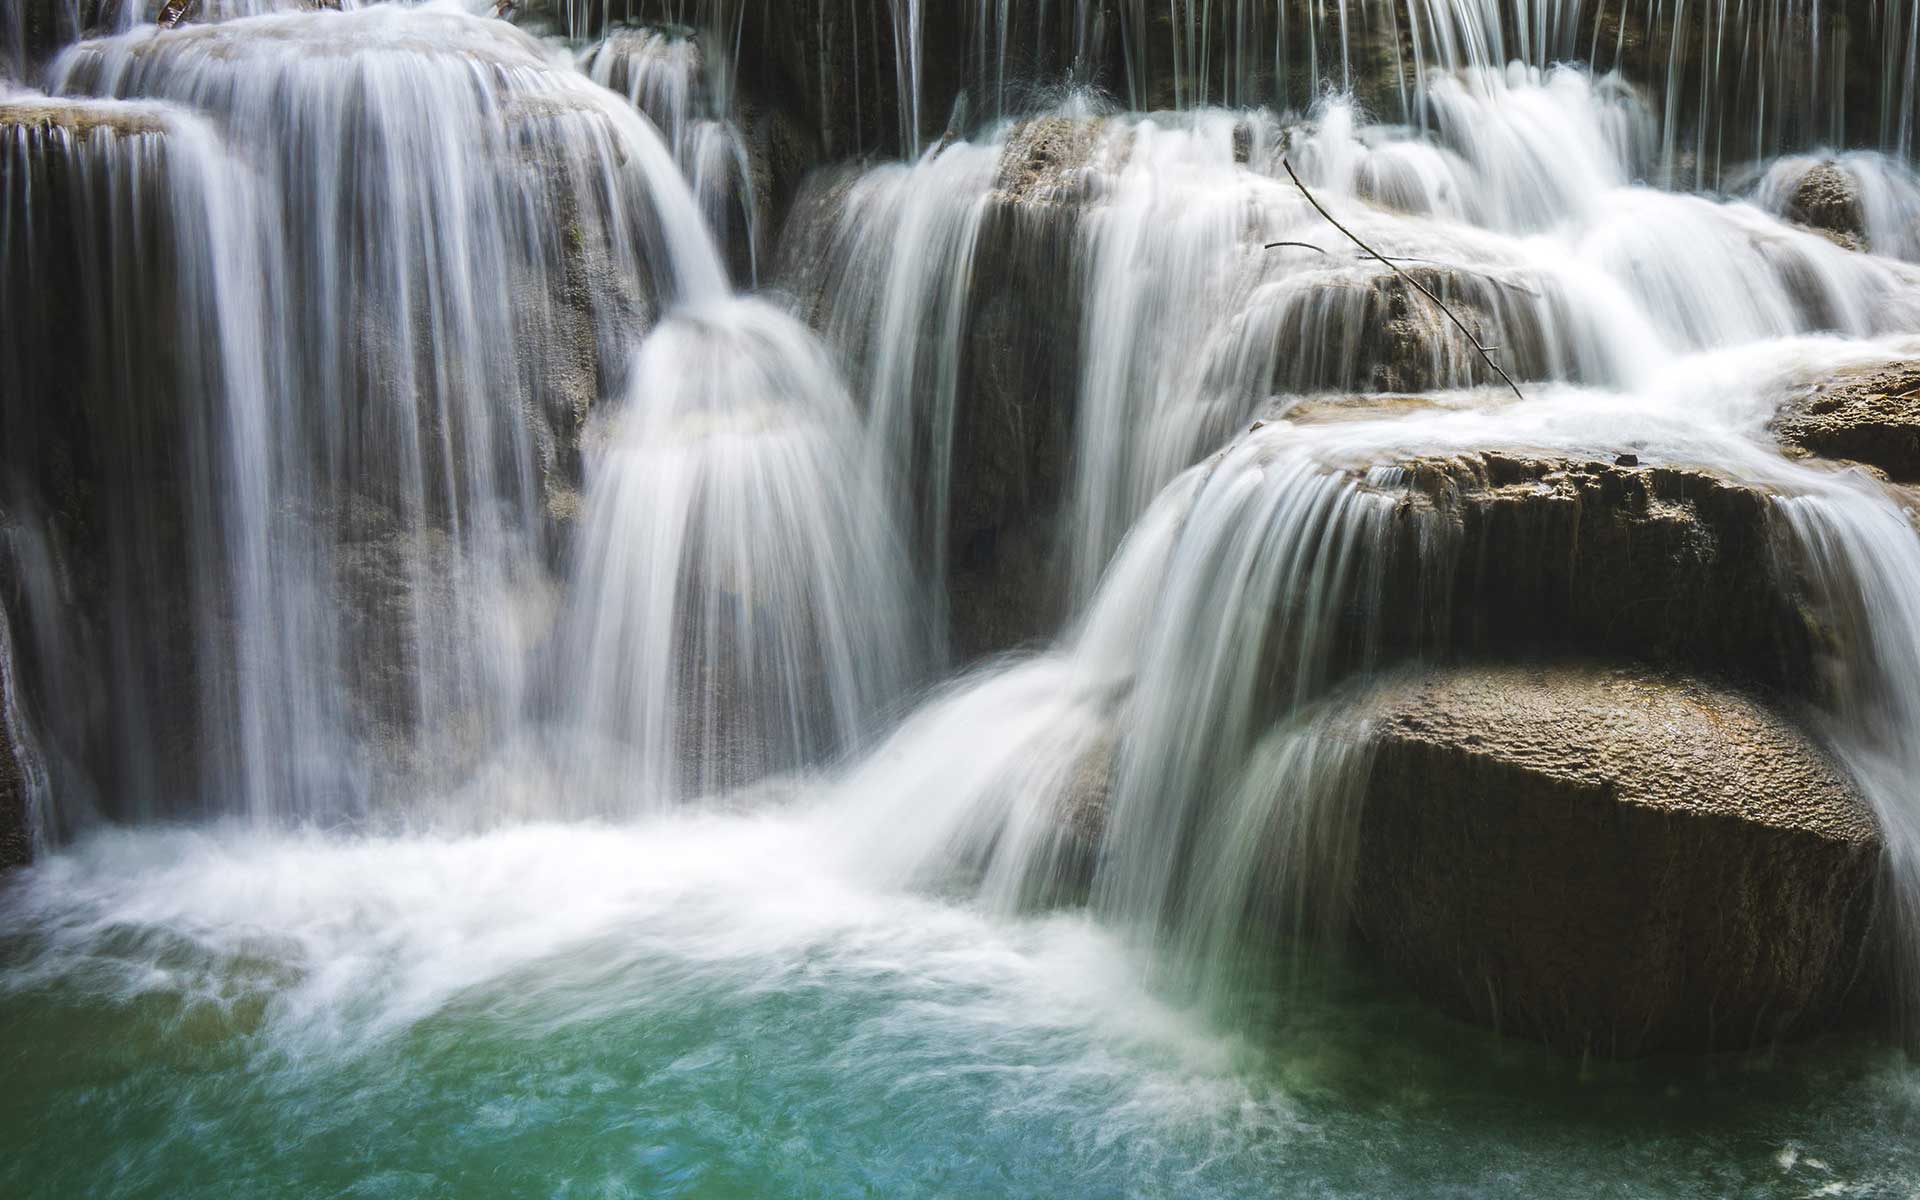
<point>555,780</point>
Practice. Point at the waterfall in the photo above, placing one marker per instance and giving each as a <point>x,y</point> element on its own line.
<point>1862,554</point>
<point>897,306</point>
<point>740,601</point>
<point>733,597</point>
<point>683,86</point>
<point>106,189</point>
<point>375,508</point>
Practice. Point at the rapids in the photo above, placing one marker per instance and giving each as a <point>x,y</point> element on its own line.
<point>480,641</point>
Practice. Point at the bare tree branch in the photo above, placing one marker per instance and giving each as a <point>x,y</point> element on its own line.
<point>1418,286</point>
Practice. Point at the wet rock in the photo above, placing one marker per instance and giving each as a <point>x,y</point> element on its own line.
<point>1870,415</point>
<point>1046,161</point>
<point>1615,862</point>
<point>1019,386</point>
<point>16,841</point>
<point>1365,328</point>
<point>1676,566</point>
<point>15,846</point>
<point>38,114</point>
<point>93,435</point>
<point>1827,199</point>
<point>779,152</point>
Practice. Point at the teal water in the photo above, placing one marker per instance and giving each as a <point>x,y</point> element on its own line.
<point>721,1006</point>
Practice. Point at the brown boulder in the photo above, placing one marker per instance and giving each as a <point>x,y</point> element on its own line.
<point>1870,415</point>
<point>1827,199</point>
<point>1672,565</point>
<point>1614,862</point>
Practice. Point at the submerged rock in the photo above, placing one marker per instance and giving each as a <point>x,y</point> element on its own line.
<point>1615,862</point>
<point>1870,415</point>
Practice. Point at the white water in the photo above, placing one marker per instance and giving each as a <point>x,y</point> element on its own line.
<point>417,260</point>
<point>1635,319</point>
<point>412,186</point>
<point>683,85</point>
<point>741,599</point>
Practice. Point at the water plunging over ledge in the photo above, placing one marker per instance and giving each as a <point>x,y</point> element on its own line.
<point>496,709</point>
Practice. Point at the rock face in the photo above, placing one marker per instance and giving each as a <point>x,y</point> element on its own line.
<point>1013,432</point>
<point>1669,565</point>
<point>16,843</point>
<point>1827,199</point>
<point>1870,415</point>
<point>1614,862</point>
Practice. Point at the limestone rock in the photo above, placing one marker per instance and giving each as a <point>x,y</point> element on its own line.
<point>1826,198</point>
<point>1615,862</point>
<point>1870,415</point>
<point>1013,432</point>
<point>1514,554</point>
<point>16,843</point>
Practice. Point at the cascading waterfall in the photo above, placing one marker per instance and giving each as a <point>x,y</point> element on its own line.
<point>897,307</point>
<point>1739,81</point>
<point>1863,555</point>
<point>1887,189</point>
<point>145,184</point>
<point>460,655</point>
<point>683,87</point>
<point>1284,551</point>
<point>1520,207</point>
<point>483,201</point>
<point>741,602</point>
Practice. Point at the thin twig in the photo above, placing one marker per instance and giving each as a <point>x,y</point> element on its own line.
<point>1420,287</point>
<point>1302,245</point>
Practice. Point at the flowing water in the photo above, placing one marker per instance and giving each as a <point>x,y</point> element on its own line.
<point>482,688</point>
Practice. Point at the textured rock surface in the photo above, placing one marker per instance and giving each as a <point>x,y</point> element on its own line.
<point>1870,415</point>
<point>1019,387</point>
<point>1508,555</point>
<point>15,842</point>
<point>1518,554</point>
<point>1827,199</point>
<point>1614,862</point>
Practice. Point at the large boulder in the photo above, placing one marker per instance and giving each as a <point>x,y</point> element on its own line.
<point>1672,565</point>
<point>1615,862</point>
<point>1869,415</point>
<point>1826,198</point>
<point>1511,554</point>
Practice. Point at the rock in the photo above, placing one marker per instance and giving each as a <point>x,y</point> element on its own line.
<point>1362,327</point>
<point>1046,161</point>
<point>16,847</point>
<point>1019,385</point>
<point>1826,198</point>
<point>1614,862</point>
<point>1515,555</point>
<point>779,153</point>
<point>1512,554</point>
<point>16,840</point>
<point>1870,415</point>
<point>79,118</point>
